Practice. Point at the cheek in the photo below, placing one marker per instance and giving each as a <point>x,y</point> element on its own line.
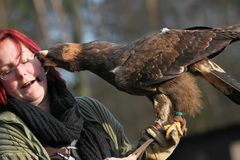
<point>10,87</point>
<point>37,68</point>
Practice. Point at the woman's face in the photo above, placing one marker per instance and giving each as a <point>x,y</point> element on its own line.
<point>18,73</point>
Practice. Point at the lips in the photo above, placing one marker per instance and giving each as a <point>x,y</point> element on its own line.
<point>25,85</point>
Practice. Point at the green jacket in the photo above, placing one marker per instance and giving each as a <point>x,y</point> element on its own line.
<point>18,142</point>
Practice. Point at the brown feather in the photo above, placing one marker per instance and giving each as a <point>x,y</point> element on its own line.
<point>184,93</point>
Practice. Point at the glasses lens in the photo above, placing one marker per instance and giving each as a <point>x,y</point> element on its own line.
<point>4,76</point>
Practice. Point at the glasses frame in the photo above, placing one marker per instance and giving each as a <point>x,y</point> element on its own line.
<point>10,74</point>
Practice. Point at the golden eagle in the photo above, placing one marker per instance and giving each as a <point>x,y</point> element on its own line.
<point>160,66</point>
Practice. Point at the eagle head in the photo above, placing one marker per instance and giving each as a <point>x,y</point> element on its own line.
<point>61,55</point>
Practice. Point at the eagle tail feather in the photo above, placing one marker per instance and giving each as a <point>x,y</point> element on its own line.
<point>227,85</point>
<point>219,79</point>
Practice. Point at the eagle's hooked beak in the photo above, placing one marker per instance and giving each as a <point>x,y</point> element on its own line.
<point>41,54</point>
<point>45,61</point>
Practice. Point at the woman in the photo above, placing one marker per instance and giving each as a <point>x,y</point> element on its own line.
<point>39,117</point>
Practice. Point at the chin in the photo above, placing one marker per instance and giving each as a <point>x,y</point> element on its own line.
<point>34,97</point>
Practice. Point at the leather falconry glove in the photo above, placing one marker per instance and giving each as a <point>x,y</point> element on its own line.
<point>163,139</point>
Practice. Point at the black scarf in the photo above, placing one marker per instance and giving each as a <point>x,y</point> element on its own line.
<point>63,125</point>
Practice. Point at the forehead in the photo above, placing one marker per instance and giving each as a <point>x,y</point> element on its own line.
<point>9,52</point>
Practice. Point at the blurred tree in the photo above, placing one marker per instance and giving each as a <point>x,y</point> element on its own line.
<point>21,15</point>
<point>61,19</point>
<point>74,16</point>
<point>3,15</point>
<point>153,13</point>
<point>42,13</point>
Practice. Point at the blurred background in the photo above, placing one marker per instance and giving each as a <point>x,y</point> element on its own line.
<point>49,22</point>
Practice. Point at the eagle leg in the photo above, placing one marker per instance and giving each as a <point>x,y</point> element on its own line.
<point>172,124</point>
<point>162,108</point>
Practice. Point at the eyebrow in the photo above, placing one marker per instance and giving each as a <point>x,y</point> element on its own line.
<point>11,64</point>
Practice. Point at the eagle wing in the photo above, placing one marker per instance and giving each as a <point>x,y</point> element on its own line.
<point>165,55</point>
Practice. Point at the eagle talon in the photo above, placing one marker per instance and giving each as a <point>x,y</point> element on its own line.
<point>183,123</point>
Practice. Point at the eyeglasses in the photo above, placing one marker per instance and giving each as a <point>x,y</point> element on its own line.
<point>10,73</point>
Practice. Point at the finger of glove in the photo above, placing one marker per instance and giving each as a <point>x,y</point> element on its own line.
<point>174,132</point>
<point>170,135</point>
<point>175,126</point>
<point>144,137</point>
<point>158,136</point>
<point>156,152</point>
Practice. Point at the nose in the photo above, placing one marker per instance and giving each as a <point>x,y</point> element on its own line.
<point>20,71</point>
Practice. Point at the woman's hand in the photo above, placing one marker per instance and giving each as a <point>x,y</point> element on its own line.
<point>130,157</point>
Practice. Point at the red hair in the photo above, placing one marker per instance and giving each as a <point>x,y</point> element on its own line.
<point>19,38</point>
